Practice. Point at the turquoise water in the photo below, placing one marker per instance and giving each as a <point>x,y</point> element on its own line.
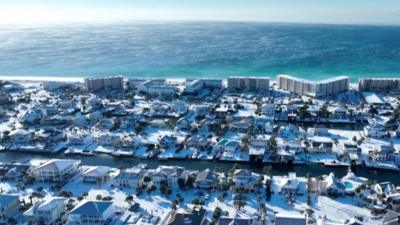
<point>348,185</point>
<point>200,49</point>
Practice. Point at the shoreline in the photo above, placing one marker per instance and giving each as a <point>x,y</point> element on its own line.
<point>41,78</point>
<point>80,79</point>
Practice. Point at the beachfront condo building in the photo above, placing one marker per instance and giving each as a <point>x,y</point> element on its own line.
<point>379,84</point>
<point>321,88</point>
<point>248,84</point>
<point>104,83</point>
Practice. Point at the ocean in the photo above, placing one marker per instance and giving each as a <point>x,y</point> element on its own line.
<point>200,49</point>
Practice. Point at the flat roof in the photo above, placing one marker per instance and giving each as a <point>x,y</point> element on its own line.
<point>372,98</point>
<point>250,77</point>
<point>314,82</point>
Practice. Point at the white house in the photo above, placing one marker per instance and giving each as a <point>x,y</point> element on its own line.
<point>375,131</point>
<point>289,184</point>
<point>128,177</point>
<point>167,174</point>
<point>96,174</point>
<point>49,212</point>
<point>243,177</point>
<point>55,170</point>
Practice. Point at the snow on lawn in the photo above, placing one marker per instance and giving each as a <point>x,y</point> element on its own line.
<point>335,210</point>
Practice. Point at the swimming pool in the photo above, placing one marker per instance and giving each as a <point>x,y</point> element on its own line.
<point>348,185</point>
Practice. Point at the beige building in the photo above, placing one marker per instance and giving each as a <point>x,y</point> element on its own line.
<point>379,84</point>
<point>241,84</point>
<point>321,88</point>
<point>104,83</point>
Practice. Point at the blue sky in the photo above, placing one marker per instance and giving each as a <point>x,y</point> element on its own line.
<point>301,11</point>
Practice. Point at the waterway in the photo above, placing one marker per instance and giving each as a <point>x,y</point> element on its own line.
<point>301,170</point>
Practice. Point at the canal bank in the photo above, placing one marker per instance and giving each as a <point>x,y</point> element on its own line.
<point>277,169</point>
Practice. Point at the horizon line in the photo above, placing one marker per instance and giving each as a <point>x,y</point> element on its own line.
<point>172,21</point>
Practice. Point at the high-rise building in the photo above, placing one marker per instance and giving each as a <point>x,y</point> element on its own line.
<point>245,84</point>
<point>321,88</point>
<point>104,83</point>
<point>379,84</point>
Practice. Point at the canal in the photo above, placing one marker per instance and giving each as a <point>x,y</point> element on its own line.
<point>281,169</point>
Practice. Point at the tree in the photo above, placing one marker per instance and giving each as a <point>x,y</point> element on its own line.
<point>303,111</point>
<point>267,170</point>
<point>65,194</point>
<point>129,199</point>
<point>197,202</point>
<point>323,111</point>
<point>308,200</point>
<point>99,197</point>
<point>146,180</point>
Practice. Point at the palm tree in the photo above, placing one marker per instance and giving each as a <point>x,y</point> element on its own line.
<point>129,199</point>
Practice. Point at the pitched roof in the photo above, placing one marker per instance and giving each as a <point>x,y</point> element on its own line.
<point>92,208</point>
<point>56,164</point>
<point>234,221</point>
<point>51,203</point>
<point>206,174</point>
<point>97,171</point>
<point>194,217</point>
<point>6,199</point>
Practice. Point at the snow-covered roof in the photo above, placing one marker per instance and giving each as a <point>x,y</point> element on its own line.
<point>50,203</point>
<point>56,164</point>
<point>97,171</point>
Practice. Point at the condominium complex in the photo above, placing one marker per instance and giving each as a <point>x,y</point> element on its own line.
<point>256,84</point>
<point>104,83</point>
<point>321,88</point>
<point>379,84</point>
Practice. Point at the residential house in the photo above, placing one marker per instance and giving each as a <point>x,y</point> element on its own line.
<point>226,145</point>
<point>268,109</point>
<point>321,145</point>
<point>224,220</point>
<point>20,136</point>
<point>9,207</point>
<point>55,170</point>
<point>331,185</point>
<point>50,135</point>
<point>14,171</point>
<point>375,131</point>
<point>381,152</point>
<point>240,124</point>
<point>129,177</point>
<point>92,213</point>
<point>258,147</point>
<point>96,174</point>
<point>201,109</point>
<point>243,177</point>
<point>193,216</point>
<point>167,174</point>
<point>197,141</point>
<point>184,123</point>
<point>206,179</point>
<point>290,218</point>
<point>168,141</point>
<point>263,125</point>
<point>32,116</point>
<point>289,184</point>
<point>49,212</point>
